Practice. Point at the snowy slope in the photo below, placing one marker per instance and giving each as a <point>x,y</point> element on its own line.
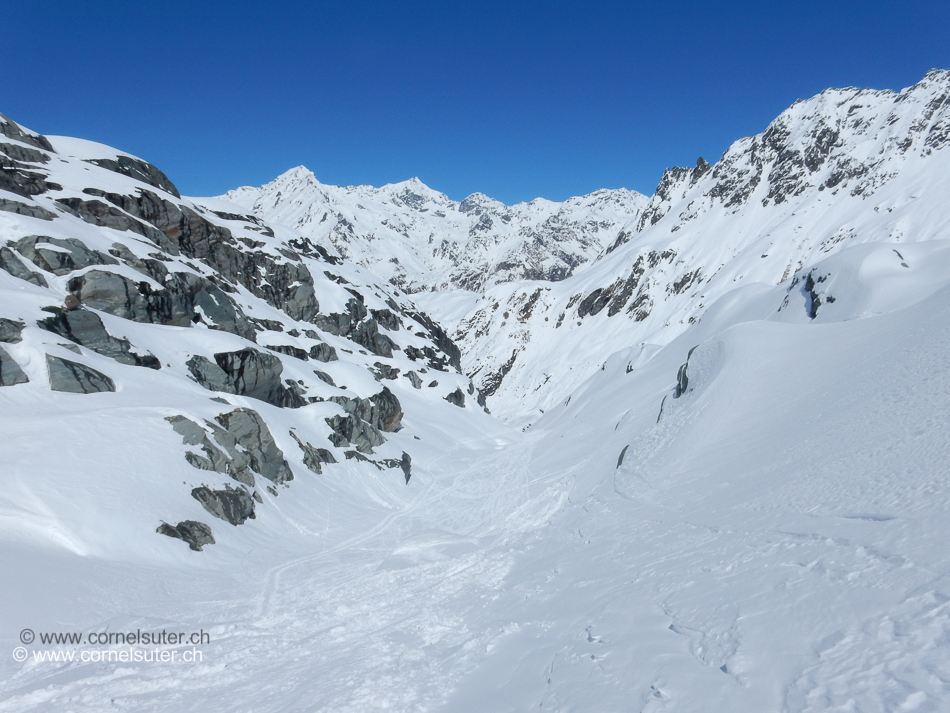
<point>848,166</point>
<point>418,239</point>
<point>744,512</point>
<point>774,542</point>
<point>190,314</point>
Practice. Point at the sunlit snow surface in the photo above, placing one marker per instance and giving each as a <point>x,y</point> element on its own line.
<point>774,539</point>
<point>775,542</point>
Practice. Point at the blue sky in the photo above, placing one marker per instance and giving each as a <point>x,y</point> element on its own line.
<point>513,99</point>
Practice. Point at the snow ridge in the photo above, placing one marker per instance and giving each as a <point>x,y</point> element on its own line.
<point>419,240</point>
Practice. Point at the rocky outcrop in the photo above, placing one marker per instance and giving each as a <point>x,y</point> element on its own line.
<point>442,340</point>
<point>414,379</point>
<point>12,264</point>
<point>242,445</point>
<point>15,179</point>
<point>233,505</point>
<point>29,209</point>
<point>312,456</point>
<point>384,371</point>
<point>85,328</point>
<point>382,411</point>
<point>682,378</point>
<point>248,435</point>
<point>456,398</point>
<point>364,419</point>
<point>349,429</point>
<point>185,299</point>
<point>405,463</point>
<point>10,331</point>
<point>10,372</point>
<point>354,325</point>
<point>492,382</point>
<point>23,153</point>
<point>74,378</point>
<point>813,299</point>
<point>18,176</point>
<point>323,352</point>
<point>247,372</point>
<point>387,319</point>
<point>622,454</point>
<point>60,255</point>
<point>195,533</point>
<point>179,230</point>
<point>104,215</point>
<point>324,377</point>
<point>137,169</point>
<point>12,130</point>
<point>295,352</point>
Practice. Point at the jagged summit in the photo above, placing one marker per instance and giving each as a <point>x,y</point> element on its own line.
<point>735,498</point>
<point>420,240</point>
<point>846,166</point>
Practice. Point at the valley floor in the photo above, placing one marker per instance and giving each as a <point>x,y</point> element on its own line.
<point>775,542</point>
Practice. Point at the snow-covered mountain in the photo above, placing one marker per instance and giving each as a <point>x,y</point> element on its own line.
<point>418,239</point>
<point>735,499</point>
<point>848,166</point>
<point>183,323</point>
<point>845,167</point>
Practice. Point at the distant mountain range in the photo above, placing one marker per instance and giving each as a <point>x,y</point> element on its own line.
<point>418,239</point>
<point>549,288</point>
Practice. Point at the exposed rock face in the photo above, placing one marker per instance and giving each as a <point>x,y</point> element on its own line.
<point>456,398</point>
<point>234,505</point>
<point>622,454</point>
<point>414,379</point>
<point>247,372</point>
<point>406,465</point>
<point>86,328</point>
<point>10,372</point>
<point>179,230</point>
<point>68,376</point>
<point>187,298</point>
<point>352,430</point>
<point>813,299</point>
<point>138,169</point>
<point>195,533</point>
<point>246,428</point>
<point>16,177</point>
<point>22,153</point>
<point>384,371</point>
<point>382,411</point>
<point>34,211</point>
<point>295,352</point>
<point>10,331</point>
<point>12,264</point>
<point>65,255</point>
<point>243,445</point>
<point>313,457</point>
<point>12,130</point>
<point>323,352</point>
<point>682,379</point>
<point>441,339</point>
<point>354,325</point>
<point>324,377</point>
